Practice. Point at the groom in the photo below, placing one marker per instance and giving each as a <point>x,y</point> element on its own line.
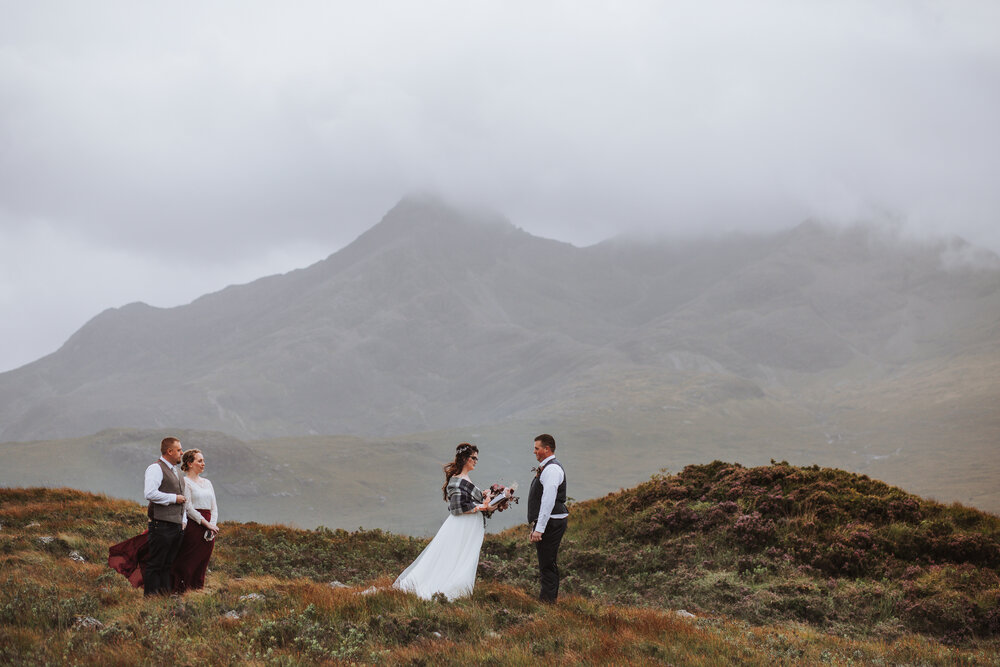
<point>164,490</point>
<point>547,514</point>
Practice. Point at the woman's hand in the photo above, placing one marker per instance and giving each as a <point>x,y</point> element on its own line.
<point>211,526</point>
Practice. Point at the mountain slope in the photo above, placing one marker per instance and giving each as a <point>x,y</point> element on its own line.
<point>440,318</point>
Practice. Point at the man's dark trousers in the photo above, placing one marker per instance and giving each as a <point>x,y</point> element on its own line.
<point>548,552</point>
<point>165,539</point>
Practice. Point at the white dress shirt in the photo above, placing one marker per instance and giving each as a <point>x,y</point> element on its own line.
<point>200,495</point>
<point>551,478</point>
<point>154,477</point>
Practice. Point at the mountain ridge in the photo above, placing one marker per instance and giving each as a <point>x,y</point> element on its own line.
<point>443,320</point>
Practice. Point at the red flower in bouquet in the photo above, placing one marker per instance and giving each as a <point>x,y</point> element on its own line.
<point>500,498</point>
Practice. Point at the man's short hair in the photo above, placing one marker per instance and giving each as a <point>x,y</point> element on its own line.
<point>546,440</point>
<point>167,443</point>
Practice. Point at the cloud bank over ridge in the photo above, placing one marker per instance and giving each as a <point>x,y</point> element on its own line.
<point>156,153</point>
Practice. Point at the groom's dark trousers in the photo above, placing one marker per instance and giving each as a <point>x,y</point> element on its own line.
<point>165,539</point>
<point>548,552</point>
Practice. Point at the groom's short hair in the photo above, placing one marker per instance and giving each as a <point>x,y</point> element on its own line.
<point>546,440</point>
<point>166,444</point>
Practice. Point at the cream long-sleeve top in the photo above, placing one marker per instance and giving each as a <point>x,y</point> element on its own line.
<point>200,495</point>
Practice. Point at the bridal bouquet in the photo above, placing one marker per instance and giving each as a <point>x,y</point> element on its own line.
<point>499,500</point>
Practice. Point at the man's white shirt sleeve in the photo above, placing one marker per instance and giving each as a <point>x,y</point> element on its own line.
<point>551,478</point>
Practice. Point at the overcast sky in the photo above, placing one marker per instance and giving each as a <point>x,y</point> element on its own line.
<point>159,151</point>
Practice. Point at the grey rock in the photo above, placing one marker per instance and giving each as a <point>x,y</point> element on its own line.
<point>87,622</point>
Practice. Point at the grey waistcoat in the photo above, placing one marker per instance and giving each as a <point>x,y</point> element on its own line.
<point>173,513</point>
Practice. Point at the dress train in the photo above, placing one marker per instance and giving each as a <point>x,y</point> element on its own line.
<point>448,564</point>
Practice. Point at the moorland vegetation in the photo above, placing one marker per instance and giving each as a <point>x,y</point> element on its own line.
<point>778,565</point>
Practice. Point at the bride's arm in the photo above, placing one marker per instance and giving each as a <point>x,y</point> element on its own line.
<point>460,499</point>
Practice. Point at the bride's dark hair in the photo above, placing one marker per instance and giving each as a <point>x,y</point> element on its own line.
<point>462,454</point>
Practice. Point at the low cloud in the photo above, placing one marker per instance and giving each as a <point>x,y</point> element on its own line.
<point>225,135</point>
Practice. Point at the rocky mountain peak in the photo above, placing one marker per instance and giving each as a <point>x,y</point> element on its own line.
<point>429,220</point>
<point>440,316</point>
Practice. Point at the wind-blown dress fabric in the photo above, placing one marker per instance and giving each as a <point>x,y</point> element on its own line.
<point>128,558</point>
<point>448,564</point>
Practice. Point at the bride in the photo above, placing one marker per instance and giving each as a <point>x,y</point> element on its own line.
<point>448,564</point>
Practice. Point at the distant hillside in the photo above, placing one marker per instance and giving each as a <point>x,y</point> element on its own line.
<point>779,565</point>
<point>441,318</point>
<point>851,348</point>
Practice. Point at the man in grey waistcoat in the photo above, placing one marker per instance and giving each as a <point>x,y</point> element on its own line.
<point>164,489</point>
<point>547,514</point>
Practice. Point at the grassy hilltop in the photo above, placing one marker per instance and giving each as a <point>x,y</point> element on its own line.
<point>779,564</point>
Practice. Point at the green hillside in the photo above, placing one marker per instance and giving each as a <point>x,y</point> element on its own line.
<point>778,564</point>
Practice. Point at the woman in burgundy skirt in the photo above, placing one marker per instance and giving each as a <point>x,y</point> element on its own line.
<point>199,536</point>
<point>202,525</point>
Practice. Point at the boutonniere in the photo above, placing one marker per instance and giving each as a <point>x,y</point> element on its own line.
<point>537,470</point>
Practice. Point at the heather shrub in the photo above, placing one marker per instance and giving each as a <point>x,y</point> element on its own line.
<point>820,503</point>
<point>724,538</point>
<point>945,614</point>
<point>718,515</point>
<point>807,607</point>
<point>904,509</point>
<point>903,541</point>
<point>774,505</point>
<point>769,475</point>
<point>967,548</point>
<point>698,561</point>
<point>848,553</point>
<point>753,531</point>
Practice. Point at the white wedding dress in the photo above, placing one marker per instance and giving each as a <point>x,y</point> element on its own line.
<point>448,564</point>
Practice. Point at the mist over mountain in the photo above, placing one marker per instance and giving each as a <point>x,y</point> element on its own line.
<point>438,318</point>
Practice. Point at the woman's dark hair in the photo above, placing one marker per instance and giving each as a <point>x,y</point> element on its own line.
<point>462,454</point>
<point>188,459</point>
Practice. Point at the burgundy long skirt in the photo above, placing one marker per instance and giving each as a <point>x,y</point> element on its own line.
<point>127,557</point>
<point>192,559</point>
